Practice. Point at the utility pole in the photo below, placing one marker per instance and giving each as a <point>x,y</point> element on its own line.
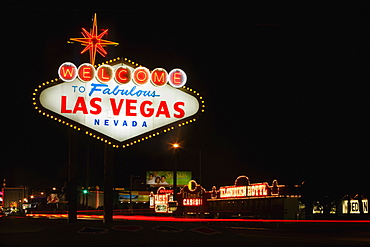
<point>175,147</point>
<point>108,183</point>
<point>72,177</point>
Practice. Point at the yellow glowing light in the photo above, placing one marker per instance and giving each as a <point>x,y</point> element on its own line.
<point>110,142</point>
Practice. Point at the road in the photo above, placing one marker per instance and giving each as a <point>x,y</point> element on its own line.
<point>17,231</point>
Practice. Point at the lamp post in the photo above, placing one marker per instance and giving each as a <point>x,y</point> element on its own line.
<point>200,166</point>
<point>175,146</point>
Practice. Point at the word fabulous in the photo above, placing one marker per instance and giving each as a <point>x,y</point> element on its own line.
<point>122,75</point>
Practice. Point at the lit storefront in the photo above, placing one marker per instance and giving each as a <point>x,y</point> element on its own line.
<point>243,199</point>
<point>161,200</point>
<point>355,206</point>
<point>259,200</point>
<point>193,199</point>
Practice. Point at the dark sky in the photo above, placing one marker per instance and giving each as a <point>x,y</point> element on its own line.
<point>286,91</point>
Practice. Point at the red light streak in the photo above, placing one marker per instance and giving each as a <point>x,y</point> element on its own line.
<point>173,219</point>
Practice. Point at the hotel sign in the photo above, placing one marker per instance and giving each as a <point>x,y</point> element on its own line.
<point>233,191</point>
<point>253,190</point>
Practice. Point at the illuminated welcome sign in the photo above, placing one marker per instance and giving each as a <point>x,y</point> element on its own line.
<point>118,102</point>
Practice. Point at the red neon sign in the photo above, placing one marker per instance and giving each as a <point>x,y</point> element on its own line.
<point>67,71</point>
<point>258,190</point>
<point>94,42</point>
<point>86,72</point>
<point>104,73</point>
<point>123,75</point>
<point>159,77</point>
<point>177,78</point>
<point>141,75</point>
<point>192,202</point>
<point>233,191</point>
<point>164,191</point>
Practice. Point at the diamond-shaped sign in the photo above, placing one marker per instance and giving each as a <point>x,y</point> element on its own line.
<point>128,228</point>
<point>167,229</point>
<point>119,102</point>
<point>205,230</point>
<point>93,230</point>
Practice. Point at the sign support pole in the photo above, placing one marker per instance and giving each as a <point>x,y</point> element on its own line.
<point>72,176</point>
<point>175,175</point>
<point>108,183</point>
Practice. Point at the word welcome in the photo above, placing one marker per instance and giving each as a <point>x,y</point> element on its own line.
<point>122,74</point>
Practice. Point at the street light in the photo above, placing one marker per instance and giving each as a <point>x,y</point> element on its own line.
<point>175,146</point>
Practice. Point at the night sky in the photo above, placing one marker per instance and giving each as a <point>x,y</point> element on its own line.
<point>286,91</point>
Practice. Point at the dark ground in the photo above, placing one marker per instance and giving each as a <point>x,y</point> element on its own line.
<point>46,232</point>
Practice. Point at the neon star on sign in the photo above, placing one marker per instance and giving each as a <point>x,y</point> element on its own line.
<point>117,102</point>
<point>94,42</point>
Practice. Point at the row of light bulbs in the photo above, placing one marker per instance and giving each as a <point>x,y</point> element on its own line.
<point>96,136</point>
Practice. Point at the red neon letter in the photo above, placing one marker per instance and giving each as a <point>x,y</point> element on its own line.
<point>80,105</point>
<point>116,109</point>
<point>86,72</point>
<point>105,73</point>
<point>67,72</point>
<point>141,75</point>
<point>95,105</point>
<point>64,105</point>
<point>123,75</point>
<point>180,111</point>
<point>177,78</point>
<point>163,109</point>
<point>148,112</point>
<point>159,77</point>
<point>130,107</point>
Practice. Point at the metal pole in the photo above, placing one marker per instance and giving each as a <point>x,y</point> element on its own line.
<point>130,207</point>
<point>175,175</point>
<point>108,183</point>
<point>87,173</point>
<point>200,166</point>
<point>72,177</point>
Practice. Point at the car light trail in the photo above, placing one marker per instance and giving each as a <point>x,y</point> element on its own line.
<point>174,219</point>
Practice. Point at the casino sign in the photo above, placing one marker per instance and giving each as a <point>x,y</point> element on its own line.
<point>118,102</point>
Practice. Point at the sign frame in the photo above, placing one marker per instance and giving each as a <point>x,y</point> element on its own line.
<point>102,137</point>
